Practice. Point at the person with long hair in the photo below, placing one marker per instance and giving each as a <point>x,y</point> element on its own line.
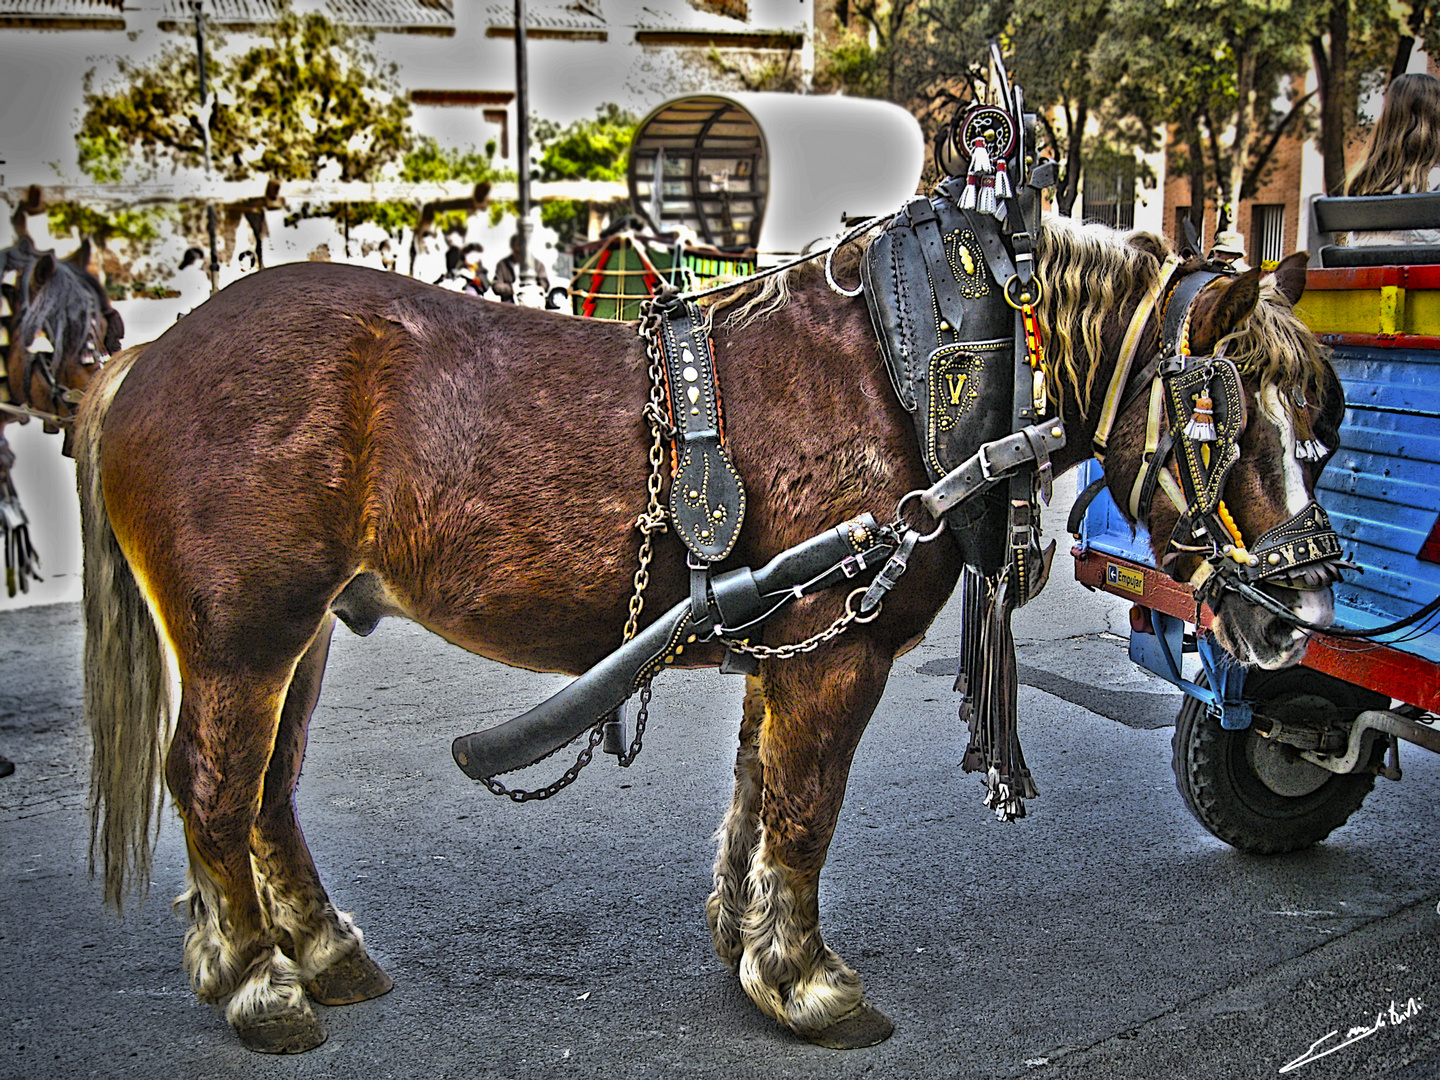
<point>1404,153</point>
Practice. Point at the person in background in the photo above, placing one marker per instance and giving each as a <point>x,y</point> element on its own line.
<point>1403,155</point>
<point>1404,151</point>
<point>1229,250</point>
<point>505,273</point>
<point>472,271</point>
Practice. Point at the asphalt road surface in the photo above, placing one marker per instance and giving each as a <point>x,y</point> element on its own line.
<point>1105,936</point>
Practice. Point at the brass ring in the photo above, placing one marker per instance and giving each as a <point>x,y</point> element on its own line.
<point>1039,291</point>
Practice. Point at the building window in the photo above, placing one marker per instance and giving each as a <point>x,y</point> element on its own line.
<point>1267,243</point>
<point>1182,215</point>
<point>1109,194</point>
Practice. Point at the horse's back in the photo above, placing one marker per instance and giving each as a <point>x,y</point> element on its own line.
<point>316,420</point>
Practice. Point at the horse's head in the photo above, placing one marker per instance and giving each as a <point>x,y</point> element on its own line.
<point>1219,454</point>
<point>62,329</point>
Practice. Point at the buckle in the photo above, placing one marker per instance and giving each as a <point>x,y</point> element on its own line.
<point>984,460</point>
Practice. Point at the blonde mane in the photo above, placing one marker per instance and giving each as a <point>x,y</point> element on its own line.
<point>1087,273</point>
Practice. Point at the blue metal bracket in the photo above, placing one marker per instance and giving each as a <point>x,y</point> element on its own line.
<point>1163,653</point>
<point>1228,679</point>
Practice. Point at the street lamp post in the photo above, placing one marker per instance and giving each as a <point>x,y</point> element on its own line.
<point>207,110</point>
<point>527,290</point>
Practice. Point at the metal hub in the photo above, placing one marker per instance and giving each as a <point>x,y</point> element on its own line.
<point>1282,770</point>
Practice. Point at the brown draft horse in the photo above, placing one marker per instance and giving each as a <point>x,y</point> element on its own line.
<point>320,441</point>
<point>58,329</point>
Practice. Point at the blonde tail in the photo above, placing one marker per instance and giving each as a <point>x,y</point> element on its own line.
<point>127,692</point>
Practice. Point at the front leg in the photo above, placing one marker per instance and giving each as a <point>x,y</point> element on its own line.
<point>738,835</point>
<point>816,707</point>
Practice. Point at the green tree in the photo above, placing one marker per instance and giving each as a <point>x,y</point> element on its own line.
<point>597,149</point>
<point>309,97</point>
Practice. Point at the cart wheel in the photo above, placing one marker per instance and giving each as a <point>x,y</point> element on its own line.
<point>1261,796</point>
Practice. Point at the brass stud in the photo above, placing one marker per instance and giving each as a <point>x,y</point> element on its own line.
<point>718,514</point>
<point>1274,558</point>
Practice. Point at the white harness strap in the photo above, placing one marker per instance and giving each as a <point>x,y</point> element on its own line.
<point>1129,345</point>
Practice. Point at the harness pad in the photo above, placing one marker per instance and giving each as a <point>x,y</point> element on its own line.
<point>947,337</point>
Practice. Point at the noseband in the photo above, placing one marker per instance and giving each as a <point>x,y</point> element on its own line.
<point>1204,402</point>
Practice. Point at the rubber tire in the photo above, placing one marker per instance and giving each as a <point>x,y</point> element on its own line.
<point>1223,791</point>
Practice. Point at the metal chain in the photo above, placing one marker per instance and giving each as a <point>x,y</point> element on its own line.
<point>653,520</point>
<point>641,716</point>
<point>814,641</point>
<point>519,795</point>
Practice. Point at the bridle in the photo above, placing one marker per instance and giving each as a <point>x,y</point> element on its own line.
<point>1204,402</point>
<point>40,355</point>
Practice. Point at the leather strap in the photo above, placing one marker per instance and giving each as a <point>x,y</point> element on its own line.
<point>707,497</point>
<point>926,224</point>
<point>990,464</point>
<point>1115,394</point>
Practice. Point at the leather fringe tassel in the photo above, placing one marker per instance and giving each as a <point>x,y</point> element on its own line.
<point>989,688</point>
<point>22,564</point>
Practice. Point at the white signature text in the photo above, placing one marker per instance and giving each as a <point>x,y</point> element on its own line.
<point>1394,1016</point>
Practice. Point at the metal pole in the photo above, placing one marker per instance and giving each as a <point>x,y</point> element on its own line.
<point>205,114</point>
<point>526,289</point>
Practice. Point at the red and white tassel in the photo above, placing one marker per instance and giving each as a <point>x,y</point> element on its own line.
<point>1311,450</point>
<point>979,158</point>
<point>40,343</point>
<point>1201,427</point>
<point>969,197</point>
<point>987,195</point>
<point>1003,190</point>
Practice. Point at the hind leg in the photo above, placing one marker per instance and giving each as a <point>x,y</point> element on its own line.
<point>816,708</point>
<point>738,835</point>
<point>325,942</point>
<point>216,769</point>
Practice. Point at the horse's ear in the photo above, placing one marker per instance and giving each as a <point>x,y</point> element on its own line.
<point>1238,298</point>
<point>44,269</point>
<point>1150,244</point>
<point>114,331</point>
<point>1290,276</point>
<point>80,256</point>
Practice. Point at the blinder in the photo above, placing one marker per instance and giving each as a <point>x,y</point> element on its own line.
<point>1204,402</point>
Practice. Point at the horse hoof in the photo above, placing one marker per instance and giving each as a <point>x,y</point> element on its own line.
<point>284,1033</point>
<point>355,978</point>
<point>863,1025</point>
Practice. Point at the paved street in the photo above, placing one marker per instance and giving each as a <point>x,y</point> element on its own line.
<point>1105,936</point>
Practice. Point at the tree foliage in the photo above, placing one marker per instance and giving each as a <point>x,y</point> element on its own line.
<point>310,98</point>
<point>428,162</point>
<point>597,149</point>
<point>1224,78</point>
